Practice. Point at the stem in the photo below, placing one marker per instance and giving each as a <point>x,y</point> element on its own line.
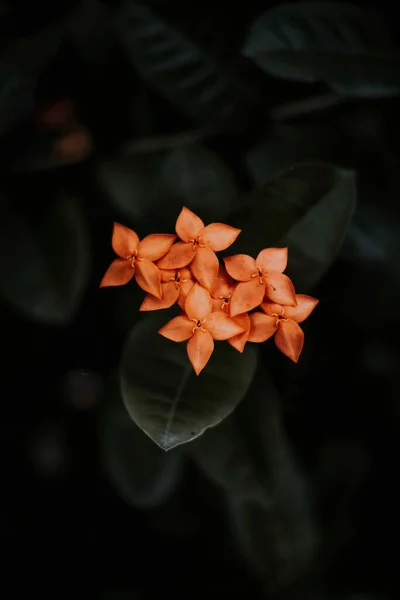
<point>292,110</point>
<point>165,142</point>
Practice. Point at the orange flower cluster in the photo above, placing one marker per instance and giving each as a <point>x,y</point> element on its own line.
<point>218,303</point>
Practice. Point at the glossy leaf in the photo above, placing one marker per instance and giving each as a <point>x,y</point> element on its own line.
<point>140,472</point>
<point>307,208</point>
<point>164,396</point>
<point>153,187</point>
<point>181,71</point>
<point>344,45</point>
<point>44,269</point>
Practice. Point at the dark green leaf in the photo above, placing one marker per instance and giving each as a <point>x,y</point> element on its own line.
<point>141,473</point>
<point>44,269</point>
<point>186,75</point>
<point>164,396</point>
<point>340,44</point>
<point>307,208</point>
<point>153,187</point>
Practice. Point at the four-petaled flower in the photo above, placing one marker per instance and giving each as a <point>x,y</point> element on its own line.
<point>198,246</point>
<point>136,259</point>
<point>221,293</point>
<point>260,277</point>
<point>200,326</point>
<point>283,323</point>
<point>175,286</point>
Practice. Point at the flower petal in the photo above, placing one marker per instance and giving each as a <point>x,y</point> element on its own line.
<point>199,349</point>
<point>124,241</point>
<point>119,272</point>
<point>155,245</point>
<point>198,303</point>
<point>217,304</point>
<point>223,285</point>
<point>179,329</point>
<point>272,259</point>
<point>166,274</point>
<point>240,266</point>
<point>188,225</point>
<point>218,236</point>
<point>185,273</point>
<point>305,306</point>
<point>271,309</point>
<point>290,339</point>
<point>246,296</point>
<point>170,294</point>
<point>280,289</point>
<point>262,327</point>
<point>239,341</point>
<point>221,326</point>
<point>148,277</point>
<point>184,288</point>
<point>180,255</point>
<point>205,267</point>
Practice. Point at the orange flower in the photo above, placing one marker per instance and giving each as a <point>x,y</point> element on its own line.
<point>175,286</point>
<point>136,259</point>
<point>200,326</point>
<point>198,246</point>
<point>259,278</point>
<point>221,293</point>
<point>282,321</point>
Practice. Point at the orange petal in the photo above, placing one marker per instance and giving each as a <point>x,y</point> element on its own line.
<point>290,339</point>
<point>240,266</point>
<point>188,225</point>
<point>199,349</point>
<point>125,242</point>
<point>170,294</point>
<point>185,273</point>
<point>179,329</point>
<point>180,255</point>
<point>271,309</point>
<point>280,289</point>
<point>305,306</point>
<point>184,288</point>
<point>119,272</point>
<point>205,267</point>
<point>222,285</point>
<point>218,236</point>
<point>166,274</point>
<point>239,341</point>
<point>148,277</point>
<point>262,327</point>
<point>155,245</point>
<point>198,303</point>
<point>246,296</point>
<point>272,259</point>
<point>221,326</point>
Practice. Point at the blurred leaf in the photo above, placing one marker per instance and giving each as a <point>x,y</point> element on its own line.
<point>164,396</point>
<point>279,539</point>
<point>180,70</point>
<point>142,474</point>
<point>346,46</point>
<point>307,208</point>
<point>154,187</point>
<point>45,268</point>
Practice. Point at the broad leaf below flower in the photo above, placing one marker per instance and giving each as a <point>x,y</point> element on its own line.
<point>163,395</point>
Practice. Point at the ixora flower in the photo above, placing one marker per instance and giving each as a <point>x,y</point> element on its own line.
<point>198,246</point>
<point>283,323</point>
<point>136,259</point>
<point>258,278</point>
<point>200,326</point>
<point>175,286</point>
<point>221,293</point>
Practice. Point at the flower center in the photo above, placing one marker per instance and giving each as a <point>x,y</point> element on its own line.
<point>132,258</point>
<point>177,279</point>
<point>198,325</point>
<point>225,301</point>
<point>197,243</point>
<point>260,276</point>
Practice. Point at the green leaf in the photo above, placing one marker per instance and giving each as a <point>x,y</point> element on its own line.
<point>343,45</point>
<point>45,268</point>
<point>152,188</point>
<point>307,208</point>
<point>164,396</point>
<point>180,70</point>
<point>140,472</point>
